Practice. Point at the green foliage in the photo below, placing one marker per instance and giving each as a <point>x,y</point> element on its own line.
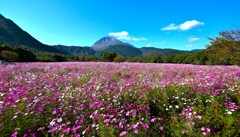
<point>14,54</point>
<point>157,59</point>
<point>9,55</point>
<point>199,58</point>
<point>109,56</point>
<point>180,59</point>
<point>168,59</point>
<point>225,49</point>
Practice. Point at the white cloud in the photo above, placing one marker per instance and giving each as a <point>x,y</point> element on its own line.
<point>190,24</point>
<point>124,35</point>
<point>148,45</point>
<point>192,38</point>
<point>184,26</point>
<point>171,26</point>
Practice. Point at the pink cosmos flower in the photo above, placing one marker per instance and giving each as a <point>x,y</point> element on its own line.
<point>106,121</point>
<point>161,128</point>
<point>123,133</point>
<point>153,120</point>
<point>74,130</point>
<point>204,133</point>
<point>66,130</point>
<point>14,134</point>
<point>208,130</point>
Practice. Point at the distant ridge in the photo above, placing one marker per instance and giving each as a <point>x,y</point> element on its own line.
<point>76,50</point>
<point>151,51</point>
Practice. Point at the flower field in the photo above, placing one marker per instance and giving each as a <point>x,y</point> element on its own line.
<point>119,99</point>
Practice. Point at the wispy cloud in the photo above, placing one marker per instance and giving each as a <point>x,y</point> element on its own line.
<point>148,45</point>
<point>124,35</point>
<point>192,38</point>
<point>171,26</point>
<point>184,26</point>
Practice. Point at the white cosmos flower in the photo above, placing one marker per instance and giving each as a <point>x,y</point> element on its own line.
<point>52,122</point>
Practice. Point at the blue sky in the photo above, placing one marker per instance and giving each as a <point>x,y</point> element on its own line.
<point>178,24</point>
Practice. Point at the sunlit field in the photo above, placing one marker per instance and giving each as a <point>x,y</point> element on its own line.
<point>119,99</point>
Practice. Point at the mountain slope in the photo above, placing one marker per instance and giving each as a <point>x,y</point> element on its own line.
<point>13,35</point>
<point>76,50</point>
<point>151,51</point>
<point>124,50</point>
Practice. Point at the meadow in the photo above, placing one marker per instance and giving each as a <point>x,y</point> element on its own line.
<point>119,99</point>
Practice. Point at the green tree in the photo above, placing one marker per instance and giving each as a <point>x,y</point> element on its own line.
<point>9,55</point>
<point>199,58</point>
<point>24,55</point>
<point>157,59</point>
<point>168,59</point>
<point>58,58</point>
<point>109,56</point>
<point>179,58</point>
<point>224,49</point>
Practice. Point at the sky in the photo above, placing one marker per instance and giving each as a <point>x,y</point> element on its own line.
<point>176,24</point>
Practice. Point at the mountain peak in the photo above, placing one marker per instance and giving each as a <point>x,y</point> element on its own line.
<point>105,42</point>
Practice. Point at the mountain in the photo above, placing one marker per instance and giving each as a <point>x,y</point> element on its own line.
<point>105,43</point>
<point>12,34</point>
<point>151,51</point>
<point>76,50</point>
<point>114,45</point>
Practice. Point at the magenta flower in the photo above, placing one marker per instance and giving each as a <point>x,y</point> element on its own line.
<point>14,134</point>
<point>198,117</point>
<point>66,130</point>
<point>123,133</point>
<point>161,128</point>
<point>204,133</point>
<point>74,130</point>
<point>40,109</point>
<point>135,131</point>
<point>153,120</point>
<point>208,130</point>
<point>106,121</point>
